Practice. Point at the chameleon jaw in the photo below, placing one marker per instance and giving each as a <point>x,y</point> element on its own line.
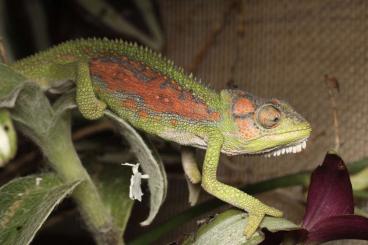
<point>291,148</point>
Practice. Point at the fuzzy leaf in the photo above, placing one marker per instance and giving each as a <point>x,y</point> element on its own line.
<point>25,203</point>
<point>228,228</point>
<point>11,83</point>
<point>34,115</point>
<point>150,162</point>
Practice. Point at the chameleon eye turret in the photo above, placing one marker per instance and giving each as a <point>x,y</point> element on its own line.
<point>268,116</point>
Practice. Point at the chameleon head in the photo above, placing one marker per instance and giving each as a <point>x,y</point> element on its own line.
<point>255,125</point>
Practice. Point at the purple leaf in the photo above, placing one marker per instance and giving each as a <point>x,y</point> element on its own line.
<point>330,192</point>
<point>339,227</point>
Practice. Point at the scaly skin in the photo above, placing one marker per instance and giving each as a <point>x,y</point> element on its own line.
<point>159,98</point>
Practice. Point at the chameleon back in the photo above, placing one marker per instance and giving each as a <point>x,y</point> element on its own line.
<point>152,101</point>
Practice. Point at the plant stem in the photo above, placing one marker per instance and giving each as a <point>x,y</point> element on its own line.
<point>61,154</point>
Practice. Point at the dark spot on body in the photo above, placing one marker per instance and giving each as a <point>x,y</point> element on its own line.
<point>181,96</point>
<point>165,84</point>
<point>142,77</point>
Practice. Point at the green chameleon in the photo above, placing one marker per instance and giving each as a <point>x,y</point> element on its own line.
<point>8,138</point>
<point>157,97</point>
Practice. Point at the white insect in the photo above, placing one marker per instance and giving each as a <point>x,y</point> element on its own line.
<point>38,181</point>
<point>135,190</point>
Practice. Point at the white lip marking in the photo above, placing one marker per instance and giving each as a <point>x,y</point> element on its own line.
<point>288,149</point>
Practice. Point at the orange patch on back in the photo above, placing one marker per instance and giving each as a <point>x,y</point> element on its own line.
<point>159,94</point>
<point>174,122</point>
<point>129,103</point>
<point>243,106</point>
<point>143,114</point>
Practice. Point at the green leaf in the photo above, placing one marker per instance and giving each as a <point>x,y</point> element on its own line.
<point>228,228</point>
<point>11,83</point>
<point>112,182</point>
<point>151,165</point>
<point>25,203</point>
<point>34,115</point>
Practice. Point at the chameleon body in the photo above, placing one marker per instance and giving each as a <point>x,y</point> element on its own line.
<point>154,95</point>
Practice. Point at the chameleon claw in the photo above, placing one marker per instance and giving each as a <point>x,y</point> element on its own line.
<point>255,219</point>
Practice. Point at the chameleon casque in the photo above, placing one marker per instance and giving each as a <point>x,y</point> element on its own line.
<point>157,97</point>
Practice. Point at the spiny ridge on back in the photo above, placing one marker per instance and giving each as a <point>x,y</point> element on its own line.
<point>80,49</point>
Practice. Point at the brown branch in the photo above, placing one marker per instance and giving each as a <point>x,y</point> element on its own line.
<point>333,84</point>
<point>91,129</point>
<point>3,54</point>
<point>211,38</point>
<point>60,217</point>
<point>17,166</point>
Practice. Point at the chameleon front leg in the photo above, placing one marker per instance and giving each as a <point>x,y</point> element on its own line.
<point>255,208</point>
<point>90,107</point>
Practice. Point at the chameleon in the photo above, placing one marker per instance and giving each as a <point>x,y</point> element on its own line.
<point>8,138</point>
<point>159,98</point>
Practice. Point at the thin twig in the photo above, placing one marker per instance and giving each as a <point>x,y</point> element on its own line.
<point>333,84</point>
<point>211,38</point>
<point>3,54</point>
<point>60,217</point>
<point>15,166</point>
<point>91,129</point>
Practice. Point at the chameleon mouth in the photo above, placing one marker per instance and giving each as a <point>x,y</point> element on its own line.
<point>295,147</point>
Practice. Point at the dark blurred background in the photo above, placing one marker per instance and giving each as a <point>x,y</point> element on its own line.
<point>272,48</point>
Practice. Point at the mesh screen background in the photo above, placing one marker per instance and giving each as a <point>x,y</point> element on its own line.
<point>282,49</point>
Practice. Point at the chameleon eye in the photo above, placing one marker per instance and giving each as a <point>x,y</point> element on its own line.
<point>268,116</point>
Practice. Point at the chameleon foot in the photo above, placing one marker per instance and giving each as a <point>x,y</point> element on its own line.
<point>256,216</point>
